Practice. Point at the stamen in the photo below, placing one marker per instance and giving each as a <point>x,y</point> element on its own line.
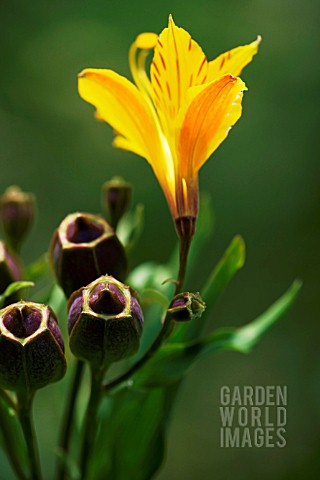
<point>138,53</point>
<point>146,41</point>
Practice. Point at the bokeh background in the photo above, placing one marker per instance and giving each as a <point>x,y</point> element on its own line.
<point>264,182</point>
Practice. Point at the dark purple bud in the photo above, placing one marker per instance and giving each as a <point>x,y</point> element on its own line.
<point>31,347</point>
<point>84,247</point>
<point>186,306</point>
<point>10,271</point>
<point>105,322</point>
<point>116,198</point>
<point>17,212</point>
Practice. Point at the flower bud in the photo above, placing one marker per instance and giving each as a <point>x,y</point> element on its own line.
<point>10,271</point>
<point>31,347</point>
<point>84,247</point>
<point>17,211</point>
<point>116,198</point>
<point>186,306</point>
<point>105,322</point>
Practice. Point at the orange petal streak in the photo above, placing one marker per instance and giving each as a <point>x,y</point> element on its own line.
<point>178,63</point>
<point>206,120</point>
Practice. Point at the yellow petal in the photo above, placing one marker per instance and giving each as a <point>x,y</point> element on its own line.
<point>178,63</point>
<point>119,103</point>
<point>206,120</point>
<point>233,61</point>
<point>123,106</point>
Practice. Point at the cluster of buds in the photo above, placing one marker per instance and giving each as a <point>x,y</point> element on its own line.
<point>105,322</point>
<point>31,347</point>
<point>83,247</point>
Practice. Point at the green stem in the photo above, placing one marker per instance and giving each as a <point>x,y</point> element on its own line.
<point>91,419</point>
<point>167,326</point>
<point>185,243</point>
<point>26,421</point>
<point>68,417</point>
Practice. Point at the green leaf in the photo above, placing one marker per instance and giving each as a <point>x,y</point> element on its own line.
<point>16,286</point>
<point>38,268</point>
<point>57,300</point>
<point>130,227</point>
<point>11,439</point>
<point>130,440</point>
<point>151,275</point>
<point>151,295</point>
<point>70,465</point>
<point>245,338</point>
<point>13,288</point>
<point>167,366</point>
<point>231,262</point>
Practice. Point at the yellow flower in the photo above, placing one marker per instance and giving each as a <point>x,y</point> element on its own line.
<point>177,117</point>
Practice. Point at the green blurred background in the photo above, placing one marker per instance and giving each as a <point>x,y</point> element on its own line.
<point>263,180</point>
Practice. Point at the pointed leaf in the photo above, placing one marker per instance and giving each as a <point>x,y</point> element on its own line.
<point>245,338</point>
<point>231,262</point>
<point>130,227</point>
<point>16,286</point>
<point>11,440</point>
<point>13,288</point>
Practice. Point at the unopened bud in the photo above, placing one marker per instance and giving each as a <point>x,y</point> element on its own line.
<point>105,322</point>
<point>17,211</point>
<point>84,247</point>
<point>116,198</point>
<point>10,271</point>
<point>31,347</point>
<point>186,306</point>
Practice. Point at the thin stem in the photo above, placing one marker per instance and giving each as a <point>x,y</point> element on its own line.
<point>68,417</point>
<point>26,420</point>
<point>166,329</point>
<point>91,419</point>
<point>185,243</point>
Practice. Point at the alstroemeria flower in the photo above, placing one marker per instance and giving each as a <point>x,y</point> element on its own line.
<point>177,117</point>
